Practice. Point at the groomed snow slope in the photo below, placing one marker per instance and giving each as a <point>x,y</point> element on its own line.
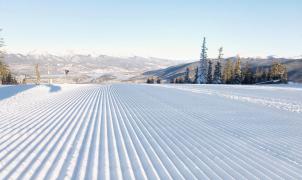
<point>150,131</point>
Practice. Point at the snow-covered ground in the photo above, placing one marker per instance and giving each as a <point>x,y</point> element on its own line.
<point>128,131</point>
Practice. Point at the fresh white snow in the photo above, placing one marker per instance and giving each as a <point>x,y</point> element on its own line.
<point>128,131</point>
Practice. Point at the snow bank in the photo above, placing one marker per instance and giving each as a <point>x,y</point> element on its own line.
<point>288,98</point>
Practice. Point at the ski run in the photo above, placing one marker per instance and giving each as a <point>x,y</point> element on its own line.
<point>128,131</point>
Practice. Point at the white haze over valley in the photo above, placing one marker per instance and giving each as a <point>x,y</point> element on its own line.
<point>85,68</point>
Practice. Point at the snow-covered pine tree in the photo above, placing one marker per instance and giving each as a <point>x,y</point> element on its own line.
<point>187,75</point>
<point>202,78</point>
<point>237,72</point>
<point>209,75</point>
<point>217,79</point>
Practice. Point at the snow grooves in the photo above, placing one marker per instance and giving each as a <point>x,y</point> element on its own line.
<point>141,132</point>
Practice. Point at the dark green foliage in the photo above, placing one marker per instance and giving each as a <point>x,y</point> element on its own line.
<point>228,72</point>
<point>237,72</point>
<point>217,79</point>
<point>179,80</point>
<point>209,75</point>
<point>150,80</point>
<point>232,72</point>
<point>158,81</point>
<point>8,79</point>
<point>247,75</point>
<point>195,81</point>
<point>187,76</point>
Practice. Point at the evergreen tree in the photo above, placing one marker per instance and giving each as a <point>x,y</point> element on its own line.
<point>258,74</point>
<point>202,78</point>
<point>158,81</point>
<point>284,78</point>
<point>196,76</point>
<point>2,65</point>
<point>247,75</point>
<point>264,76</point>
<point>180,80</point>
<point>150,80</point>
<point>228,72</point>
<point>209,75</point>
<point>279,72</point>
<point>217,72</point>
<point>10,79</point>
<point>3,72</point>
<point>237,72</point>
<point>187,75</point>
<point>270,76</point>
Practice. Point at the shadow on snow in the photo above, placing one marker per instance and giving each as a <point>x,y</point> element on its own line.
<point>53,88</point>
<point>7,91</point>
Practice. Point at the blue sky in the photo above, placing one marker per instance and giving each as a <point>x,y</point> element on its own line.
<point>158,28</point>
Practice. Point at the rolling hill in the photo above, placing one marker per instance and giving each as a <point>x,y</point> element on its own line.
<point>294,67</point>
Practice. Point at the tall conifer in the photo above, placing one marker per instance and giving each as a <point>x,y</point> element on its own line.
<point>202,78</point>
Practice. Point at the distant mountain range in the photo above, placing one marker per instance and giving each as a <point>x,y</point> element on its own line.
<point>103,68</point>
<point>84,68</point>
<point>293,65</point>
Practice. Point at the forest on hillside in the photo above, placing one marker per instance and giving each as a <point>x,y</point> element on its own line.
<point>227,71</point>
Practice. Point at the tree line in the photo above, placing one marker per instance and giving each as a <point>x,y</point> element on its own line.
<point>232,72</point>
<point>152,80</point>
